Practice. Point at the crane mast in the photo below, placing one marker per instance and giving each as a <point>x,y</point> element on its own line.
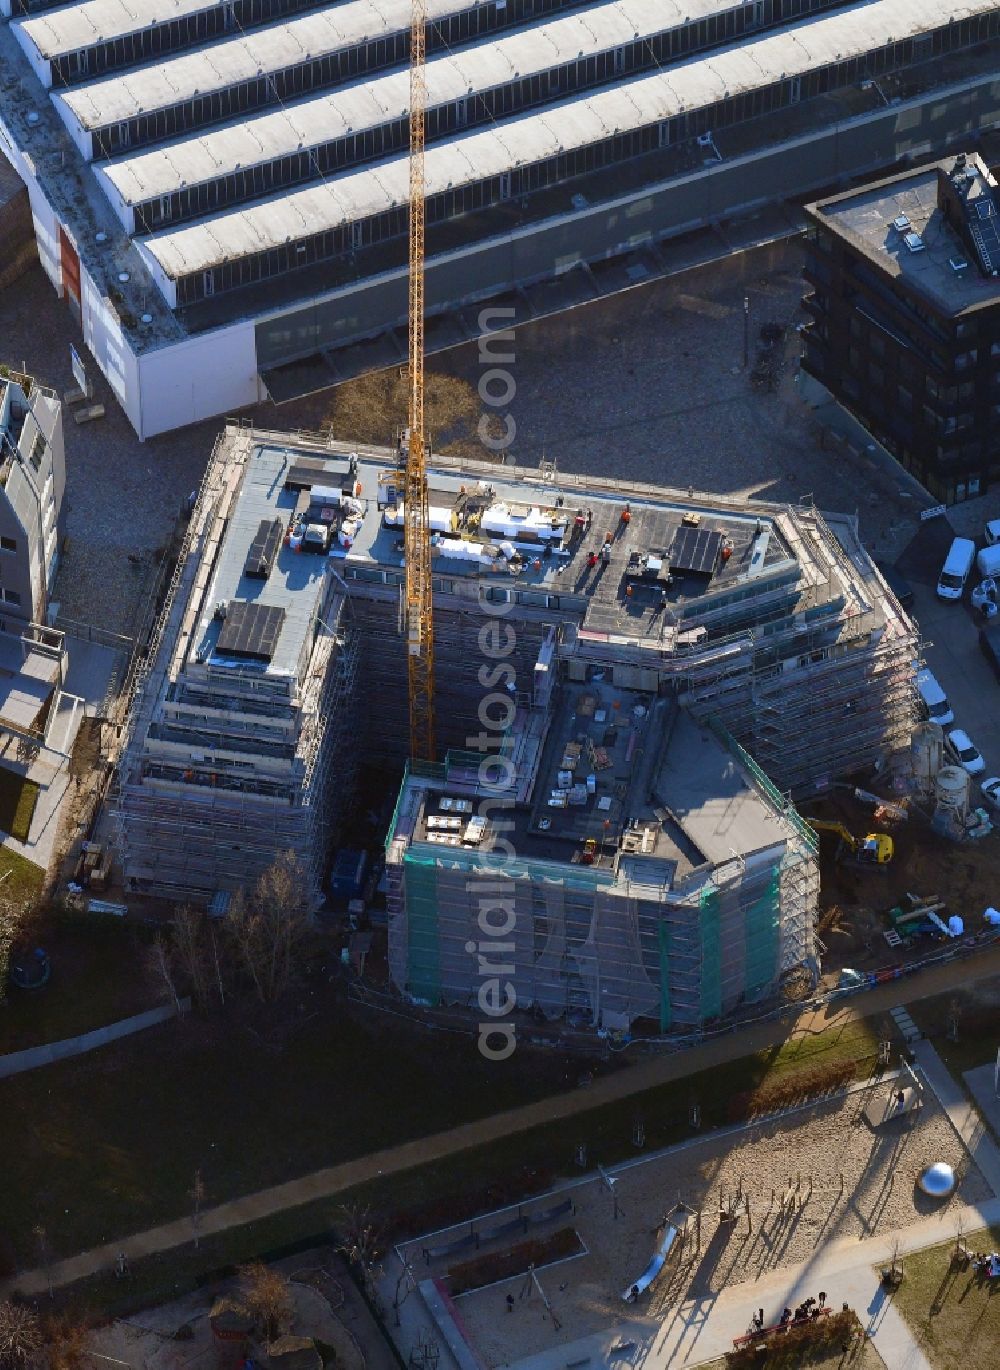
<point>417,529</point>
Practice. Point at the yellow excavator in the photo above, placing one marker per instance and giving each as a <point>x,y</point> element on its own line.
<point>874,849</point>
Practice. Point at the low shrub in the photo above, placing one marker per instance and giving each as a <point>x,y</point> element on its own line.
<point>797,1346</point>
<point>783,1093</point>
<point>516,1260</point>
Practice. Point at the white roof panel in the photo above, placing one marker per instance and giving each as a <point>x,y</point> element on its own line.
<point>232,60</point>
<point>534,137</point>
<point>228,61</point>
<point>372,102</point>
<point>97,21</point>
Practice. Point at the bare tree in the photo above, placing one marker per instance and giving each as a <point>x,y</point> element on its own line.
<point>268,927</point>
<point>161,965</point>
<point>65,1343</point>
<point>268,1298</point>
<point>363,1242</point>
<point>197,1195</point>
<point>189,947</point>
<point>20,1335</point>
<point>371,408</point>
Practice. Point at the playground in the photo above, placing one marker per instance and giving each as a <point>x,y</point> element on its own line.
<point>707,1215</point>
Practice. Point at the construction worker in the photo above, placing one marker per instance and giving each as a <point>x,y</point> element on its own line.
<point>627,515</point>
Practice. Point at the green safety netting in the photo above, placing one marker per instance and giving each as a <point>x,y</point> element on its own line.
<point>762,939</point>
<point>424,961</point>
<point>711,958</point>
<point>666,1011</point>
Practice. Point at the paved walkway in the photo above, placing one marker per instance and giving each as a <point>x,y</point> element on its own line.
<point>658,1070</point>
<point>962,1113</point>
<point>982,1085</point>
<point>15,1062</point>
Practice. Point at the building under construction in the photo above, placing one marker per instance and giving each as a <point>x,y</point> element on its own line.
<point>656,674</point>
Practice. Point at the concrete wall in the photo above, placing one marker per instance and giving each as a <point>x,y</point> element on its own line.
<point>214,373</point>
<point>39,65</point>
<point>103,334</point>
<point>81,136</point>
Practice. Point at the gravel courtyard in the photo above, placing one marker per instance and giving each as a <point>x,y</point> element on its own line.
<point>823,1143</point>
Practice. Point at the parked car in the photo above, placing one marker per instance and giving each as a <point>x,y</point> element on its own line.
<point>991,793</point>
<point>936,703</point>
<point>992,532</point>
<point>968,755</point>
<point>956,568</point>
<point>898,584</point>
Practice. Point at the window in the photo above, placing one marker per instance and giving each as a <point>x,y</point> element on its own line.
<point>8,544</point>
<point>37,451</point>
<point>12,597</point>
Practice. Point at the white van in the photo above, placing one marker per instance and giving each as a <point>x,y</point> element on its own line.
<point>992,532</point>
<point>935,699</point>
<point>956,568</point>
<point>988,560</point>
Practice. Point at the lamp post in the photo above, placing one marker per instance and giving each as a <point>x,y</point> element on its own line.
<point>746,332</point>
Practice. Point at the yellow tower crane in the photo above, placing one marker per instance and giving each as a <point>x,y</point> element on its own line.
<point>417,526</point>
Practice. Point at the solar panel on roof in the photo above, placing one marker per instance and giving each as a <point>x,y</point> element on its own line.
<point>695,549</point>
<point>986,237</point>
<point>251,630</point>
<point>305,472</point>
<point>264,549</point>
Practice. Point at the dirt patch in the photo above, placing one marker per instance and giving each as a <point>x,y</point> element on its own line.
<point>854,901</point>
<point>87,747</point>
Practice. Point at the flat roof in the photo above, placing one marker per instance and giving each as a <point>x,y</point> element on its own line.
<point>231,60</point>
<point>621,599</point>
<point>707,793</point>
<point>296,583</point>
<point>535,137</point>
<point>371,102</point>
<point>867,217</point>
<point>653,796</point>
<point>73,27</point>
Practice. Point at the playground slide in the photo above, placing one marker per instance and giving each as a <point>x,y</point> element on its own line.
<point>653,1268</point>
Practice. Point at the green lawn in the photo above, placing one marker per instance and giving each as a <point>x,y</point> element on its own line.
<point>976,1043</point>
<point>24,883</point>
<point>98,976</point>
<point>954,1315</point>
<point>108,1144</point>
<point>18,798</point>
